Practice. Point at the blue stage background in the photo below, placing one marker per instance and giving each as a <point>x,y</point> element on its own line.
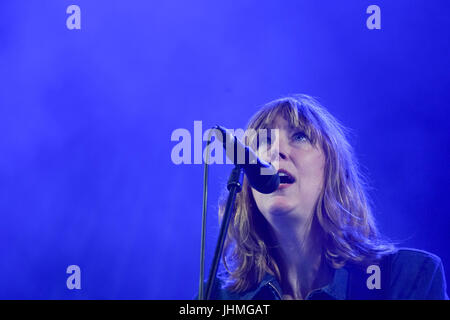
<point>86,117</point>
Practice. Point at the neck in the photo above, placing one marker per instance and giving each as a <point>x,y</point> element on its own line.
<point>300,258</point>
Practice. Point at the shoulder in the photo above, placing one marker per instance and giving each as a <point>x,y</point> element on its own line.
<point>259,291</point>
<point>413,263</point>
<point>221,292</point>
<point>403,255</point>
<point>416,274</point>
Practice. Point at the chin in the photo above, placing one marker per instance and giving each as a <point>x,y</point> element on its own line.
<point>280,208</point>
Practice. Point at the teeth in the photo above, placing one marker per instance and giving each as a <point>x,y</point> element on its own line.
<point>285,177</point>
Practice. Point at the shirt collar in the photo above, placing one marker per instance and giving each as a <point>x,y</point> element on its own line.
<point>336,289</point>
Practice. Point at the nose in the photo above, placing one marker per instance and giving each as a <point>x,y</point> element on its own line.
<point>282,155</point>
<point>278,150</point>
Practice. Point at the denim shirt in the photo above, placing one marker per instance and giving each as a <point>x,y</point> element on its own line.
<point>405,274</point>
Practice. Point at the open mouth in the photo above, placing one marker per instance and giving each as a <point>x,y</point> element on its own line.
<point>285,177</point>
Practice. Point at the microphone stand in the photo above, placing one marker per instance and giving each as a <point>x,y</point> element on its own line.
<point>234,186</point>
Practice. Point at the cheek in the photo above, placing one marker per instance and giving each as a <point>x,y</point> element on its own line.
<point>263,203</point>
<point>258,197</point>
<point>311,167</point>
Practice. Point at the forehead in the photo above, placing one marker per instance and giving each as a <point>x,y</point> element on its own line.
<point>282,117</point>
<point>286,115</point>
<point>281,123</point>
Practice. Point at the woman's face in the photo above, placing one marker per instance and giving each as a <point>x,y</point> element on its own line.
<point>291,151</point>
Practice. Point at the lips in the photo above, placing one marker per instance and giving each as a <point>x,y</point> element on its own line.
<point>285,177</point>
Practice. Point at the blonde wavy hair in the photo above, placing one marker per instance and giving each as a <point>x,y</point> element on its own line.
<point>342,212</point>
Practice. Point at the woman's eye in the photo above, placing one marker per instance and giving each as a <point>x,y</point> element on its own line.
<point>299,136</point>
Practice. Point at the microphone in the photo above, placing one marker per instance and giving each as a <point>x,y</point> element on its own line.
<point>261,175</point>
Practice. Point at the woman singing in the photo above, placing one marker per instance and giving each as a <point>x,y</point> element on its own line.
<point>315,237</point>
